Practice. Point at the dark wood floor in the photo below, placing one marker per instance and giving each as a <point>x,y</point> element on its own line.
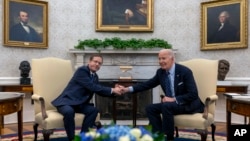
<point>12,128</point>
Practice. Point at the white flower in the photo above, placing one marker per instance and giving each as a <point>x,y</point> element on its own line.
<point>124,138</point>
<point>136,133</point>
<point>146,137</point>
<point>93,134</point>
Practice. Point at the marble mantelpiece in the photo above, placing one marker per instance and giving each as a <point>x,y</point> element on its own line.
<point>144,63</point>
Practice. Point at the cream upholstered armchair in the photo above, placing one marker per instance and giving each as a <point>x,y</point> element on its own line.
<point>205,74</point>
<point>50,76</point>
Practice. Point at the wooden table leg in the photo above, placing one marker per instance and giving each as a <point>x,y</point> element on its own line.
<point>20,124</point>
<point>228,123</point>
<point>134,108</point>
<point>114,110</point>
<point>1,124</point>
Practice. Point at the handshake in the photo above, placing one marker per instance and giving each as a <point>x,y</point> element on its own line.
<point>120,90</point>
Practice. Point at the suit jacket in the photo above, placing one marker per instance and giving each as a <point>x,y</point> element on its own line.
<point>227,34</point>
<point>186,92</point>
<point>81,88</point>
<point>18,33</point>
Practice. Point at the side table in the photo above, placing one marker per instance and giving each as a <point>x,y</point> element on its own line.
<point>238,106</point>
<point>17,88</point>
<point>241,89</point>
<point>11,102</point>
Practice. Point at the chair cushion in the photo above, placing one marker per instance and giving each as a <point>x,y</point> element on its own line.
<point>55,120</point>
<point>193,121</point>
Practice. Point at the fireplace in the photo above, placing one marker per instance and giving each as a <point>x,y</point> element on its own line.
<point>143,64</point>
<point>126,107</point>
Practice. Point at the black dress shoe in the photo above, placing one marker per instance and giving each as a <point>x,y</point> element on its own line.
<point>169,139</point>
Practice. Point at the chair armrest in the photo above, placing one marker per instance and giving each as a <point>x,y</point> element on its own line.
<point>209,100</point>
<point>40,100</point>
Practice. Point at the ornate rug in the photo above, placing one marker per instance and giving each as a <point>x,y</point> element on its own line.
<point>60,135</point>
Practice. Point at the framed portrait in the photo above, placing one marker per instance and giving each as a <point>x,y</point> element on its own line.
<point>25,23</point>
<point>224,24</point>
<point>124,15</point>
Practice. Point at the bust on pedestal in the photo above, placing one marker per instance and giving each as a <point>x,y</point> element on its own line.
<point>25,69</point>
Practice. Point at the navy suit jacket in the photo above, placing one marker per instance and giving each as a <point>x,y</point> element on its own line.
<point>18,33</point>
<point>81,88</point>
<point>186,92</point>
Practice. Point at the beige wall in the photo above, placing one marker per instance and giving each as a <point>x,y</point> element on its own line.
<point>175,21</point>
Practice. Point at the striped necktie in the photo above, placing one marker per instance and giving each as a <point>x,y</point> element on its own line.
<point>168,86</point>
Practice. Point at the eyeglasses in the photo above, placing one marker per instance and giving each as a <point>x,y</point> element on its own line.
<point>97,62</point>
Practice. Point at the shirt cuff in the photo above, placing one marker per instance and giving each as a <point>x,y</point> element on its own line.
<point>176,100</point>
<point>131,89</point>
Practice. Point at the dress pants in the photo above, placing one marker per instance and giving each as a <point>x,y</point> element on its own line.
<point>164,124</point>
<point>68,112</point>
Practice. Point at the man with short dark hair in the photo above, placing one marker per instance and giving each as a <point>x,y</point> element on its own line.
<point>76,97</point>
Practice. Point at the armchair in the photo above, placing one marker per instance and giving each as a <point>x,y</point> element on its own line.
<point>50,76</point>
<point>205,74</point>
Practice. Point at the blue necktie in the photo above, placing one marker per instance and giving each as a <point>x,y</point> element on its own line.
<point>168,86</point>
<point>92,77</point>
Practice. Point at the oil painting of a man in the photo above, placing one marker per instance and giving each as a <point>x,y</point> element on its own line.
<point>124,12</point>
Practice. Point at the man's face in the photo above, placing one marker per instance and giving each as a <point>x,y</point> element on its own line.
<point>95,64</point>
<point>223,69</point>
<point>165,60</point>
<point>222,18</point>
<point>24,17</point>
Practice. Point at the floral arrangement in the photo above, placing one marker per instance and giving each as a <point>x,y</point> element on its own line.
<point>120,133</point>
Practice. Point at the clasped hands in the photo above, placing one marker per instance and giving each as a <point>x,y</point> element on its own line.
<point>120,90</point>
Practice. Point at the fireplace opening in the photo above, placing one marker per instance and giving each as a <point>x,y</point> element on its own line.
<point>122,106</point>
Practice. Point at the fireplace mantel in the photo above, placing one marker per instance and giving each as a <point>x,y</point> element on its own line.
<point>119,57</point>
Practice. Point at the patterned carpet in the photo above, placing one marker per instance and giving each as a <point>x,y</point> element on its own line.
<point>184,136</point>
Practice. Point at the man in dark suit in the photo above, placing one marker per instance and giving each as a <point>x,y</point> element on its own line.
<point>225,31</point>
<point>76,97</point>
<point>22,31</point>
<point>181,95</point>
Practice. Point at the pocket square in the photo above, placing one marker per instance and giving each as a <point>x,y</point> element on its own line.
<point>180,83</point>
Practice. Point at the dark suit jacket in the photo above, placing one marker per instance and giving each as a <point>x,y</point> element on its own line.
<point>81,88</point>
<point>228,33</point>
<point>18,33</point>
<point>186,92</point>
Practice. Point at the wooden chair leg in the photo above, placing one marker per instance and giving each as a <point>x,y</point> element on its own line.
<point>176,132</point>
<point>203,134</point>
<point>213,127</point>
<point>35,126</point>
<point>46,134</point>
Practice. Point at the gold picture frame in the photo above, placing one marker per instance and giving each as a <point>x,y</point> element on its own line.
<point>32,32</point>
<point>234,34</point>
<point>123,15</point>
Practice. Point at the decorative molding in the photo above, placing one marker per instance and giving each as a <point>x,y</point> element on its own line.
<point>119,57</point>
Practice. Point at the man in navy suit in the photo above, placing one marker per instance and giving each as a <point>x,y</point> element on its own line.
<point>76,97</point>
<point>22,31</point>
<point>181,95</point>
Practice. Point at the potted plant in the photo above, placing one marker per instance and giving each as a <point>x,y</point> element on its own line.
<point>118,43</point>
